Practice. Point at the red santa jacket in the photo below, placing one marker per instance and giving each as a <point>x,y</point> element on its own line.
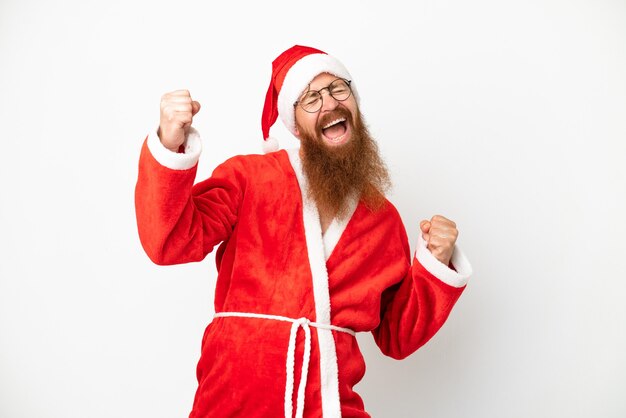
<point>288,299</point>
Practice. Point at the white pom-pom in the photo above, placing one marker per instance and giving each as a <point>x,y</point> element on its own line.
<point>270,145</point>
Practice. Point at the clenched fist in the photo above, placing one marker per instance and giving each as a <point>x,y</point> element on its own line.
<point>440,235</point>
<point>177,112</point>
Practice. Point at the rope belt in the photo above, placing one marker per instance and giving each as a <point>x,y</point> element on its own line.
<point>291,352</point>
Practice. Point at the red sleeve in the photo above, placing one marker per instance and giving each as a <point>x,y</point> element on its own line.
<point>179,222</point>
<point>412,311</point>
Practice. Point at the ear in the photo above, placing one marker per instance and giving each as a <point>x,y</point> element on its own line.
<point>296,131</point>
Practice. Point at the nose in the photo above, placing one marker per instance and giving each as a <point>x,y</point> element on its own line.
<point>328,101</point>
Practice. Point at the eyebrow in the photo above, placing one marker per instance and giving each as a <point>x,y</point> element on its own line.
<point>326,86</point>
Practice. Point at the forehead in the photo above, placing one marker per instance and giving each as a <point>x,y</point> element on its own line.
<point>322,80</point>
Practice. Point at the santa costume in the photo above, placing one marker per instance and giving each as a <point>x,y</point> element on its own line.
<point>289,299</point>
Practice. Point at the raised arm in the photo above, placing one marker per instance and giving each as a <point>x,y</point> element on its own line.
<point>414,309</point>
<point>177,221</point>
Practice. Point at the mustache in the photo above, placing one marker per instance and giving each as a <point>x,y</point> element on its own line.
<point>339,112</point>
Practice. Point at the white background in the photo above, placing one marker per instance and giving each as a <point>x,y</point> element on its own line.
<point>507,117</point>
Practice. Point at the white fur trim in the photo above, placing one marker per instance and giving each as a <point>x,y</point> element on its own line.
<point>174,160</point>
<point>329,373</point>
<point>301,74</point>
<point>270,145</point>
<point>335,229</point>
<point>435,267</point>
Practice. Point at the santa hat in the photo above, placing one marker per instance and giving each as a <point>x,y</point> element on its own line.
<point>292,71</point>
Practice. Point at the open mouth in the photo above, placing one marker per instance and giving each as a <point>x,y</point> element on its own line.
<point>335,131</point>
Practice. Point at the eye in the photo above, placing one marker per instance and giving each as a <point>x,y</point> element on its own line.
<point>310,98</point>
<point>339,86</point>
<point>339,89</point>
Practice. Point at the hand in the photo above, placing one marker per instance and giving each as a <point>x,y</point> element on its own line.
<point>177,111</point>
<point>440,235</point>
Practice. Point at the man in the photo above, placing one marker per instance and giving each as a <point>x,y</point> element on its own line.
<point>310,250</point>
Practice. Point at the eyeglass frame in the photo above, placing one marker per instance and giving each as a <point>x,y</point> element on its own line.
<point>348,82</point>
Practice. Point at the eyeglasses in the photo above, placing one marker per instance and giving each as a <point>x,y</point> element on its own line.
<point>312,100</point>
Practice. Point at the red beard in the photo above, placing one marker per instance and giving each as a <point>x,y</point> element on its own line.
<point>336,173</point>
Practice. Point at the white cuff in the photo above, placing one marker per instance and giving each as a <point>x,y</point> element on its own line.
<point>435,267</point>
<point>174,160</point>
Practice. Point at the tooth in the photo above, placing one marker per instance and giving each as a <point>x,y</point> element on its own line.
<point>336,121</point>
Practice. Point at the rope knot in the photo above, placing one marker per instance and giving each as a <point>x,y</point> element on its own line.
<point>303,320</point>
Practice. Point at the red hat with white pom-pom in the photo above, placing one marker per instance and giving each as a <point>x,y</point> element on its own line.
<point>292,71</point>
